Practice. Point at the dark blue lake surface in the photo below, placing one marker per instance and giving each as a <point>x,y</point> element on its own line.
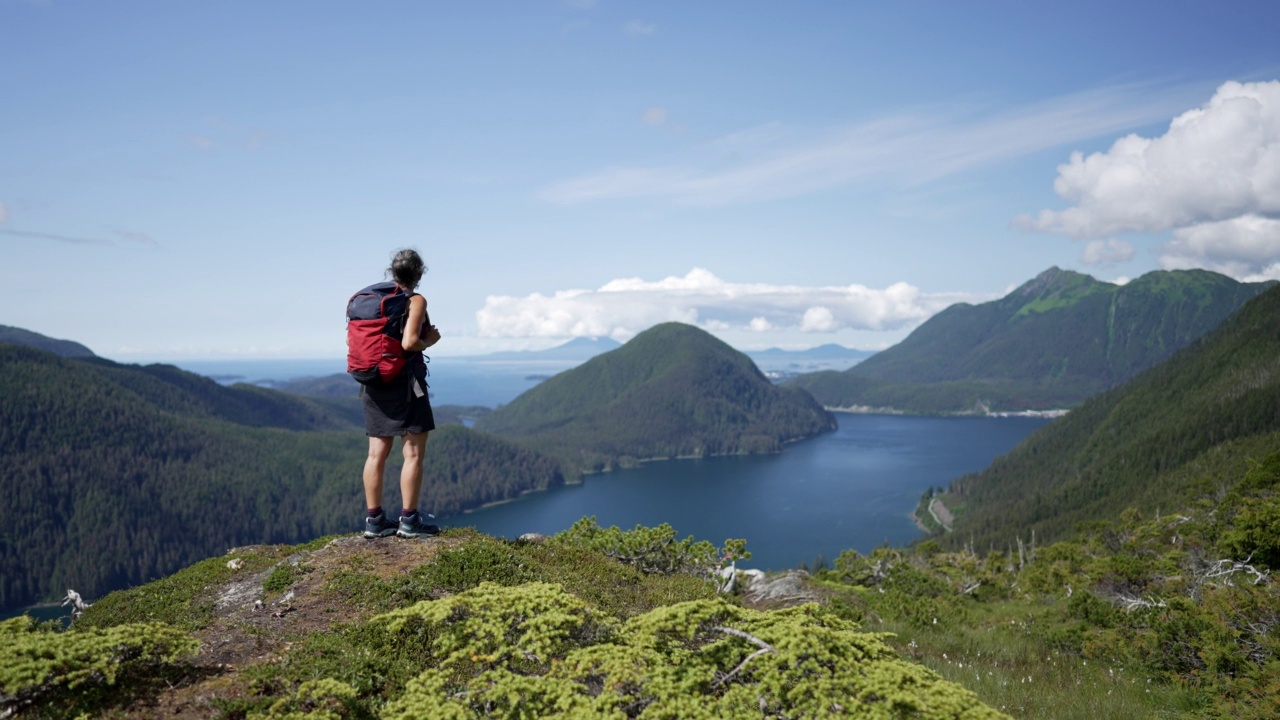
<point>853,488</point>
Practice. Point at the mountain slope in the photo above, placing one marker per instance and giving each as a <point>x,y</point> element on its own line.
<point>65,348</point>
<point>578,349</point>
<point>673,390</point>
<point>114,474</point>
<point>1052,342</point>
<point>1196,418</point>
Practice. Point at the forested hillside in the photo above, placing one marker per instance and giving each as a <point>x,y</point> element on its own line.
<point>1188,424</point>
<point>65,348</point>
<point>1051,343</point>
<point>673,390</point>
<point>115,474</point>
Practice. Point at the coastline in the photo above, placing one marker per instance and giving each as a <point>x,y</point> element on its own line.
<point>869,410</point>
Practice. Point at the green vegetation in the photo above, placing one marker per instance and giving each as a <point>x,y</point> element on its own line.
<point>488,628</point>
<point>1170,434</point>
<point>1170,615</point>
<point>181,599</point>
<point>655,549</point>
<point>1051,343</point>
<point>537,651</point>
<point>117,474</point>
<point>37,662</point>
<point>672,391</point>
<point>1164,616</point>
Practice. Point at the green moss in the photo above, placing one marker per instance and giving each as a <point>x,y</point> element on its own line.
<point>187,599</point>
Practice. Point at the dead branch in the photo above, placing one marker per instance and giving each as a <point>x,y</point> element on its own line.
<point>764,648</point>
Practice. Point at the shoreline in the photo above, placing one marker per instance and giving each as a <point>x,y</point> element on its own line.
<point>869,410</point>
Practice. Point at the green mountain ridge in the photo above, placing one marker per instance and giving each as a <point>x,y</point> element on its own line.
<point>1198,416</point>
<point>672,391</point>
<point>1051,343</point>
<point>115,474</point>
<point>65,348</point>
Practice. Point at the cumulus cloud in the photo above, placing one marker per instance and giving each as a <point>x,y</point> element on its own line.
<point>818,319</point>
<point>774,161</point>
<point>656,115</point>
<point>1107,252</point>
<point>1213,179</point>
<point>1246,247</point>
<point>635,27</point>
<point>621,308</point>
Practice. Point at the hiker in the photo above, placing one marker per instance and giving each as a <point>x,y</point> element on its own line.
<point>397,405</point>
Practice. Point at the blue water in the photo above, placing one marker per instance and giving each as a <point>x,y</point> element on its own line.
<point>851,489</point>
<point>453,381</point>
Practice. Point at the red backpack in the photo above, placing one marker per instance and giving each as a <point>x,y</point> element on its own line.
<point>375,328</point>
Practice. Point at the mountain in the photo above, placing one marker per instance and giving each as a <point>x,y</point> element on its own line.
<point>1051,343</point>
<point>781,365</point>
<point>578,349</point>
<point>673,390</point>
<point>830,352</point>
<point>65,348</point>
<point>1181,428</point>
<point>114,474</point>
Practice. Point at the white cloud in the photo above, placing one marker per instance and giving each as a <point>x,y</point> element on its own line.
<point>818,319</point>
<point>654,116</point>
<point>1213,179</point>
<point>774,161</point>
<point>4,213</point>
<point>621,308</point>
<point>1247,247</point>
<point>635,27</point>
<point>1107,252</point>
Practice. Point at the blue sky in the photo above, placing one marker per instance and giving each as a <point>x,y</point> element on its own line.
<point>214,179</point>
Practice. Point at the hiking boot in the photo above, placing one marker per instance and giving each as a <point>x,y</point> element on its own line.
<point>415,526</point>
<point>379,526</point>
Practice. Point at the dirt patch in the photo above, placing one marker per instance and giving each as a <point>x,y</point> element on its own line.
<point>253,626</point>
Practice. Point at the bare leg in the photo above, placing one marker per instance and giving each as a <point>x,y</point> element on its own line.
<point>415,446</point>
<point>374,466</point>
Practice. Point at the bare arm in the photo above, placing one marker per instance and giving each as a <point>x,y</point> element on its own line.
<point>416,338</point>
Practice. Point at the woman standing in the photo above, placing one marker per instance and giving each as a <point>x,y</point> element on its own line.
<point>401,407</point>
